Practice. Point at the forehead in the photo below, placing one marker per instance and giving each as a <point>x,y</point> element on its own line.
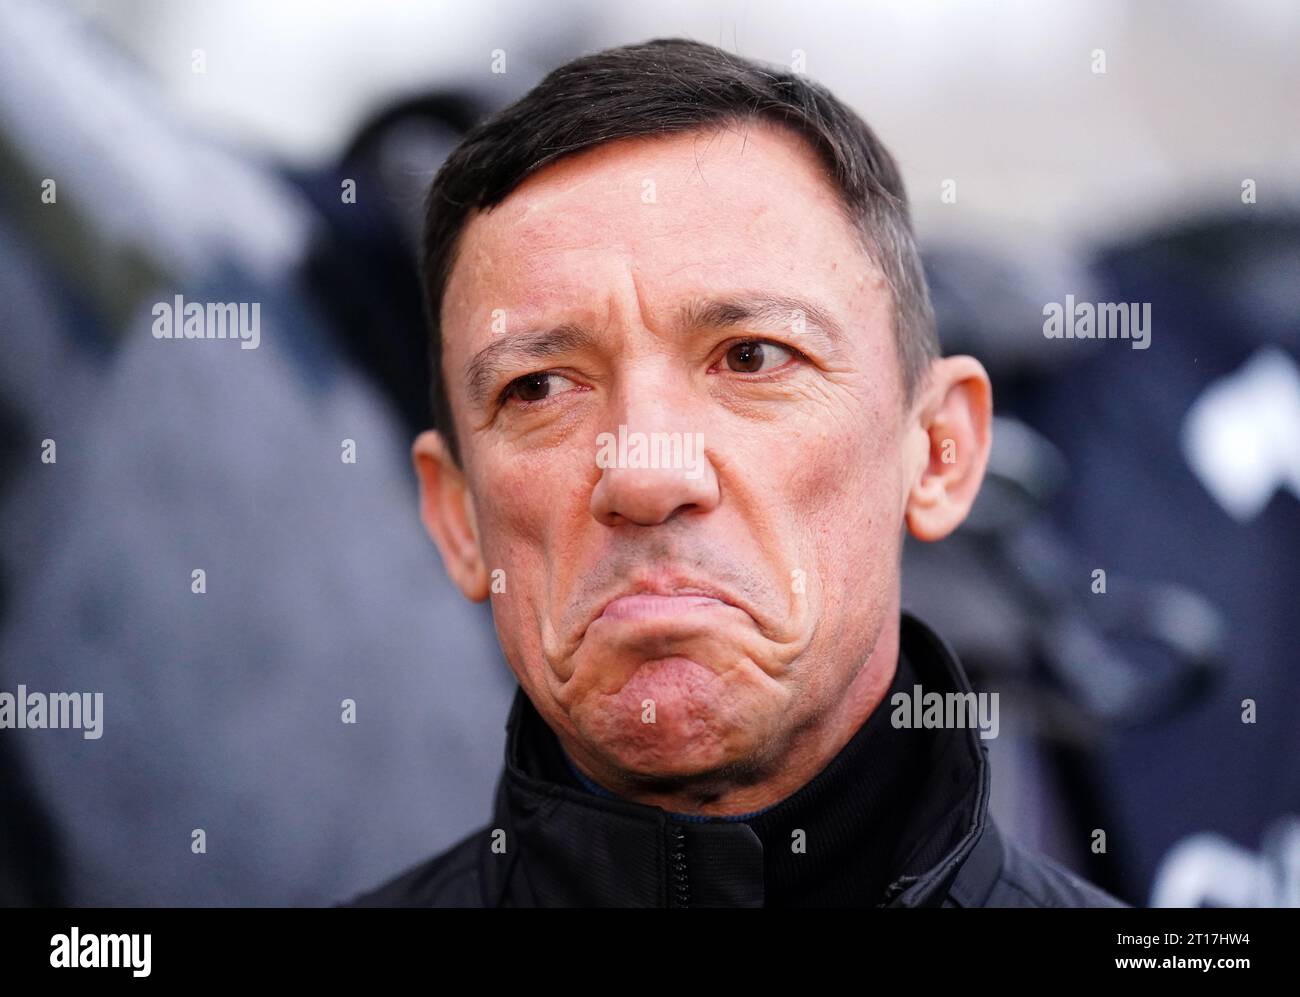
<point>745,207</point>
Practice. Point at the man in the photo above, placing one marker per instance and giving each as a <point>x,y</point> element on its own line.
<point>688,395</point>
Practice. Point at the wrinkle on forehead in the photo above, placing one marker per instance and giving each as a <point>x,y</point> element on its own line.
<point>629,161</point>
<point>514,252</point>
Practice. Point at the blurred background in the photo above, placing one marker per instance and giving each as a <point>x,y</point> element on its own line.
<point>1107,150</point>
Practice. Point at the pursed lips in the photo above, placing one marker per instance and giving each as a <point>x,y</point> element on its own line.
<point>647,605</point>
<point>649,601</point>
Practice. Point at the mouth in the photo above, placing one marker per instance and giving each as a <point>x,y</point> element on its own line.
<point>645,602</point>
<point>648,606</point>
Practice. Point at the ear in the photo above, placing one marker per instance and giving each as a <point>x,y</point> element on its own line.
<point>447,509</point>
<point>949,446</point>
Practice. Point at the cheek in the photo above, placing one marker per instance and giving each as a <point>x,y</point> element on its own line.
<point>530,512</point>
<point>526,502</point>
<point>510,527</point>
<point>844,493</point>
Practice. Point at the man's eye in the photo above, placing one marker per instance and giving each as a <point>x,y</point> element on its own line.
<point>535,387</point>
<point>755,356</point>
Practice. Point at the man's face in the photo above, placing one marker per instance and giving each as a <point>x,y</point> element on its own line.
<point>679,621</point>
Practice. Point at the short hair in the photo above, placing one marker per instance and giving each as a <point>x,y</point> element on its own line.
<point>661,87</point>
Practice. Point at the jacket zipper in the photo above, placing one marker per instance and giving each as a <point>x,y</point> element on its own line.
<point>679,887</point>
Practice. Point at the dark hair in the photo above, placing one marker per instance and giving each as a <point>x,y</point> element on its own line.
<point>656,88</point>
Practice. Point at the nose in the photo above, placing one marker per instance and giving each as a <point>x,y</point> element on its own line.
<point>649,476</point>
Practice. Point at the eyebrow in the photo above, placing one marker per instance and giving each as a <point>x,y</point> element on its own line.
<point>775,311</point>
<point>771,310</point>
<point>489,363</point>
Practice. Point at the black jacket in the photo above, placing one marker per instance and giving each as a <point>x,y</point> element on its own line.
<point>897,819</point>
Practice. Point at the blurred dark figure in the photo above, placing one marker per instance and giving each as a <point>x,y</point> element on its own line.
<point>1175,471</point>
<point>226,773</point>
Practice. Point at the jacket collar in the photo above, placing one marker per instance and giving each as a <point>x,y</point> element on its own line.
<point>567,846</point>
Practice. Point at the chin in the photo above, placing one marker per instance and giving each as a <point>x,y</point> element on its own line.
<point>702,721</point>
